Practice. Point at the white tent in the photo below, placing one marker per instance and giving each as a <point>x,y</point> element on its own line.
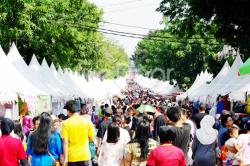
<point>35,68</point>
<point>114,87</point>
<point>61,80</point>
<point>230,81</point>
<point>17,61</point>
<point>8,89</point>
<point>96,90</point>
<point>53,82</point>
<point>204,91</point>
<point>160,87</point>
<point>227,81</point>
<point>201,80</point>
<point>80,82</point>
<point>13,82</point>
<point>76,88</point>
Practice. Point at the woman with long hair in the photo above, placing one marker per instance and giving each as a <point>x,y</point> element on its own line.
<point>138,149</point>
<point>43,146</point>
<point>112,151</point>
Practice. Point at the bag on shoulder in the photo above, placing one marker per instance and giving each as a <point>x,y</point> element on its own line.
<point>54,161</point>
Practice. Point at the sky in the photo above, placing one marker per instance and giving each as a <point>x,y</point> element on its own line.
<point>139,13</point>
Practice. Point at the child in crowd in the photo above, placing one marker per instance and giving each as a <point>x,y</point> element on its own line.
<point>27,125</point>
<point>232,146</point>
<point>18,133</point>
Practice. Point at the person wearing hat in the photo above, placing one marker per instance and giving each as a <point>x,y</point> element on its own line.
<point>76,133</point>
<point>166,154</point>
<point>103,126</point>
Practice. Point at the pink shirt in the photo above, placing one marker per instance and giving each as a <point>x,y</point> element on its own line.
<point>166,156</point>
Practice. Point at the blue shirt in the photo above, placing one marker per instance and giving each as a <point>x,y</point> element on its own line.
<point>78,105</point>
<point>196,108</point>
<point>219,107</point>
<point>55,149</point>
<point>222,132</point>
<point>55,145</point>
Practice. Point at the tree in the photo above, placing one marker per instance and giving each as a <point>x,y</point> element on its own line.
<point>62,31</point>
<point>187,55</point>
<point>114,62</point>
<point>54,29</point>
<point>230,16</point>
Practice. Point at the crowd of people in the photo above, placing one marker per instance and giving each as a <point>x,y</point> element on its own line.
<point>121,135</point>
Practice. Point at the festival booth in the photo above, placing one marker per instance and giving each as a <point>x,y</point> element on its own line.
<point>16,89</point>
<point>56,90</point>
<point>78,81</point>
<point>38,88</point>
<point>232,82</point>
<point>160,87</point>
<point>76,91</point>
<point>114,87</point>
<point>36,103</point>
<point>228,81</point>
<point>201,80</point>
<point>204,91</point>
<point>241,87</point>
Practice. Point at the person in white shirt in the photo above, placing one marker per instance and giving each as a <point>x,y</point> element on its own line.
<point>244,143</point>
<point>124,135</point>
<point>112,150</point>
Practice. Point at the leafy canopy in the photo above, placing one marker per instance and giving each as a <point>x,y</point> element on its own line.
<point>187,55</point>
<point>232,18</point>
<point>57,30</point>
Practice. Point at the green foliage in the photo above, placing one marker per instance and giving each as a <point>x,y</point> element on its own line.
<point>231,18</point>
<point>188,55</point>
<point>56,30</point>
<point>115,61</point>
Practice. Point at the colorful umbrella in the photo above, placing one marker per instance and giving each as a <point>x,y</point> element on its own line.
<point>245,68</point>
<point>147,108</point>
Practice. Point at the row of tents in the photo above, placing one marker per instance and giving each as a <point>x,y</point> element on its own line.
<point>34,81</point>
<point>227,82</point>
<point>44,87</point>
<point>160,87</point>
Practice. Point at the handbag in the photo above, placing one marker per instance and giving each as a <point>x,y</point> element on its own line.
<point>54,161</point>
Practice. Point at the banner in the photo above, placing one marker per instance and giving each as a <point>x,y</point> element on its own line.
<point>44,104</point>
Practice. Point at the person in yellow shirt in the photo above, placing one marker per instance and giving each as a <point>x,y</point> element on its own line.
<point>248,104</point>
<point>76,133</point>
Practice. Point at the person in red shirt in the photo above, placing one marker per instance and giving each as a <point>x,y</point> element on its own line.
<point>166,154</point>
<point>11,149</point>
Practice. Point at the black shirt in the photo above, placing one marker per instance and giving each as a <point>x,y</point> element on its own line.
<point>103,127</point>
<point>159,121</point>
<point>197,119</point>
<point>183,137</point>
